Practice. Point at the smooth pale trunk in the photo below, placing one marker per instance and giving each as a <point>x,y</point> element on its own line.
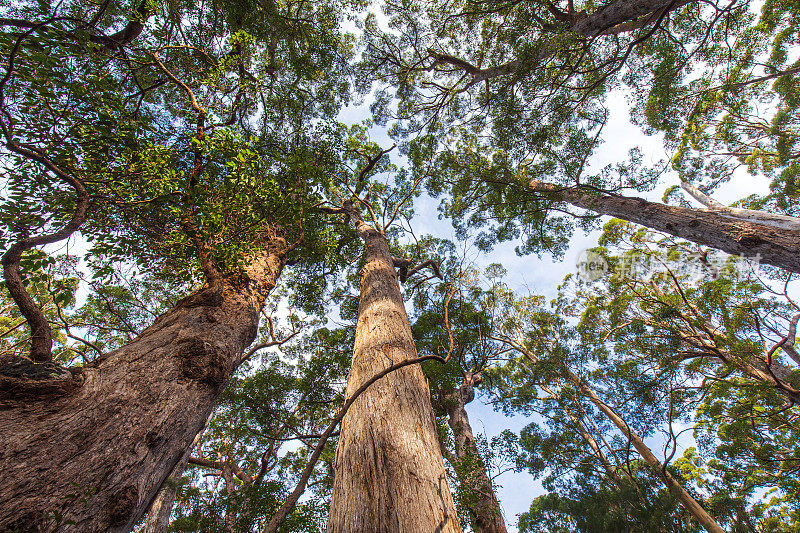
<point>90,453</point>
<point>158,517</point>
<point>389,473</point>
<point>676,489</point>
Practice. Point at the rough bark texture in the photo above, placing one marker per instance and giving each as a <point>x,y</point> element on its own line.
<point>90,456</point>
<point>612,15</point>
<point>615,18</point>
<point>389,473</point>
<point>158,517</point>
<point>482,503</point>
<point>775,246</point>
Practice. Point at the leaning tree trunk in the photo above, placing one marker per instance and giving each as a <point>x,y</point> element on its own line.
<point>481,503</point>
<point>389,473</point>
<point>766,241</point>
<point>88,451</point>
<point>158,517</point>
<point>675,488</point>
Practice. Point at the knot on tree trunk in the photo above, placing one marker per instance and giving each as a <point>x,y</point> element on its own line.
<point>122,504</point>
<point>201,361</point>
<point>23,379</point>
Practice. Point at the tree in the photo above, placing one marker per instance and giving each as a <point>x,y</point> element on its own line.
<point>731,334</point>
<point>542,339</point>
<point>446,320</point>
<point>636,345</point>
<point>389,474</point>
<point>538,78</point>
<point>158,153</point>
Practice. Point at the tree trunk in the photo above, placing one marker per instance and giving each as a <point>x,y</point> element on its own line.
<point>389,473</point>
<point>768,243</point>
<point>675,488</point>
<point>482,502</point>
<point>89,451</point>
<point>161,510</point>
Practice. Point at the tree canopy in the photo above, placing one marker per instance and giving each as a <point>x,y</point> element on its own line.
<point>211,210</point>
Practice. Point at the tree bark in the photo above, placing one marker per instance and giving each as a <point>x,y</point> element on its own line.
<point>620,16</point>
<point>89,451</point>
<point>161,510</point>
<point>483,506</point>
<point>389,473</point>
<point>770,244</point>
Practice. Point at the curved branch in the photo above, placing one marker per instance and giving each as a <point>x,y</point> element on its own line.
<point>41,336</point>
<point>284,510</point>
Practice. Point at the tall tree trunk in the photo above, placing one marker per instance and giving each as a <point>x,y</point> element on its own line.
<point>389,473</point>
<point>675,488</point>
<point>158,517</point>
<point>89,450</point>
<point>471,470</point>
<point>771,243</point>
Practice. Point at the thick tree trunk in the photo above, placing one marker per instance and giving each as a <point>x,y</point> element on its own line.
<point>482,503</point>
<point>89,451</point>
<point>389,473</point>
<point>769,243</point>
<point>158,517</point>
<point>615,18</point>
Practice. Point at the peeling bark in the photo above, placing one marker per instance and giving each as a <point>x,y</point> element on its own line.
<point>389,473</point>
<point>775,246</point>
<point>92,457</point>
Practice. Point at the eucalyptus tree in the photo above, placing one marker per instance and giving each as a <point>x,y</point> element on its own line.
<point>671,336</point>
<point>732,334</point>
<point>179,139</point>
<point>389,475</point>
<point>240,471</point>
<point>548,357</point>
<point>514,97</point>
<point>693,308</point>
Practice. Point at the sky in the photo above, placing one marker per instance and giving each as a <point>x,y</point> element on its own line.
<point>530,273</point>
